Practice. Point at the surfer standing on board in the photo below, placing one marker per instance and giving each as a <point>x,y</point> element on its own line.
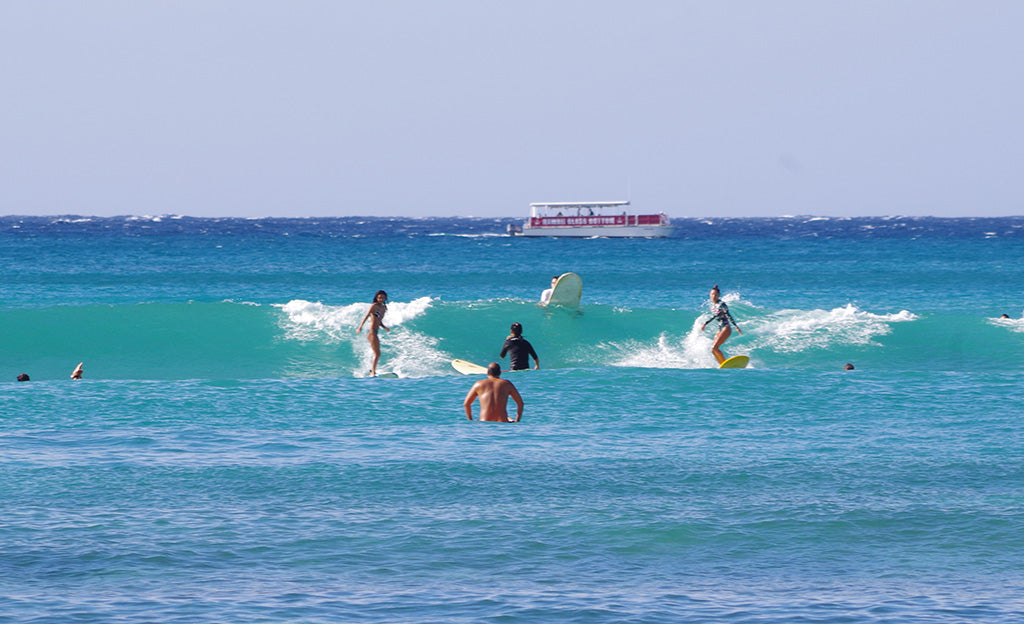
<point>720,313</point>
<point>493,393</point>
<point>376,315</point>
<point>519,349</point>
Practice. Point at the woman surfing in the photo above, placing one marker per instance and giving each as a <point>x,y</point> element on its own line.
<point>376,313</point>
<point>720,313</point>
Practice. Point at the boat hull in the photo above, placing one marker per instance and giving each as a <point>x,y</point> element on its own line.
<point>609,231</point>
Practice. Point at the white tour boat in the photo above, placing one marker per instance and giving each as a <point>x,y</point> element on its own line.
<point>585,219</point>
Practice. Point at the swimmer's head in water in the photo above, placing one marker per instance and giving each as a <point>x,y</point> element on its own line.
<point>494,369</point>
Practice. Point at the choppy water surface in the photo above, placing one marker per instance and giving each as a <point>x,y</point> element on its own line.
<point>226,458</point>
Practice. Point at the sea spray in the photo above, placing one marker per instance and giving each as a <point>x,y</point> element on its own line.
<point>801,330</point>
<point>407,352</point>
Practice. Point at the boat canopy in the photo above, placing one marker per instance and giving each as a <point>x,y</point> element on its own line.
<point>578,209</point>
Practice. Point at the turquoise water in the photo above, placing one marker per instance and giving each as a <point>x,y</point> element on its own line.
<point>226,458</point>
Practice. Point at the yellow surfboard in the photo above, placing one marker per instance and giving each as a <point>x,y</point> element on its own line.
<point>468,368</point>
<point>567,291</point>
<point>736,361</point>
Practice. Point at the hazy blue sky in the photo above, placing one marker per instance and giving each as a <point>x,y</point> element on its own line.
<point>477,108</point>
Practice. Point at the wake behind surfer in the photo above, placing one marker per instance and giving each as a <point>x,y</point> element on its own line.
<point>375,314</point>
<point>493,393</point>
<point>519,349</point>
<point>720,313</point>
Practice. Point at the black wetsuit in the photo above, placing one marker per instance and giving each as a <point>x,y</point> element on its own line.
<point>520,350</point>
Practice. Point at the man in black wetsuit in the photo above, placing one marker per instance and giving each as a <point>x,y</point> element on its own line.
<point>519,349</point>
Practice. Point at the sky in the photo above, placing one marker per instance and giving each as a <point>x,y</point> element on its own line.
<point>708,108</point>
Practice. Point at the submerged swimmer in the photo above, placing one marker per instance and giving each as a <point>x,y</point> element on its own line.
<point>720,313</point>
<point>376,315</point>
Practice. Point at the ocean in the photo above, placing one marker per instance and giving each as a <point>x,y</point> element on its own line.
<point>226,457</point>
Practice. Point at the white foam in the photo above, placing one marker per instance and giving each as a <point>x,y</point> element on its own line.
<point>406,352</point>
<point>1015,325</point>
<point>691,351</point>
<point>309,321</point>
<point>800,330</point>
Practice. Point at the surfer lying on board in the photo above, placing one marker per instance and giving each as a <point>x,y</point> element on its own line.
<point>376,315</point>
<point>493,393</point>
<point>720,313</point>
<point>519,349</point>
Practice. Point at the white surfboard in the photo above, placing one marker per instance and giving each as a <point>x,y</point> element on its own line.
<point>567,291</point>
<point>468,368</point>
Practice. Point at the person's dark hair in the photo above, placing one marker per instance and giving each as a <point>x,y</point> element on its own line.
<point>494,369</point>
<point>23,377</point>
<point>379,292</point>
<point>715,287</point>
<point>516,329</point>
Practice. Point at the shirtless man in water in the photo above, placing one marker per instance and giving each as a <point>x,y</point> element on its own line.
<point>494,393</point>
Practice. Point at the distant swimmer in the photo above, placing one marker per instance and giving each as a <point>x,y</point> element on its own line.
<point>23,377</point>
<point>77,373</point>
<point>546,295</point>
<point>720,313</point>
<point>848,366</point>
<point>493,393</point>
<point>519,349</point>
<point>376,314</point>
<point>1005,316</point>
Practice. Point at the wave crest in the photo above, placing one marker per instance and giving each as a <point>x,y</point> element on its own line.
<point>799,330</point>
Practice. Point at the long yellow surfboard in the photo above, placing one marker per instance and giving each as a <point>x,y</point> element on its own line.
<point>736,361</point>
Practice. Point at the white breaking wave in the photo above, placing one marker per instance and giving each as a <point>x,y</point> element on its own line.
<point>786,331</point>
<point>800,330</point>
<point>403,351</point>
<point>692,351</point>
<point>1015,325</point>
